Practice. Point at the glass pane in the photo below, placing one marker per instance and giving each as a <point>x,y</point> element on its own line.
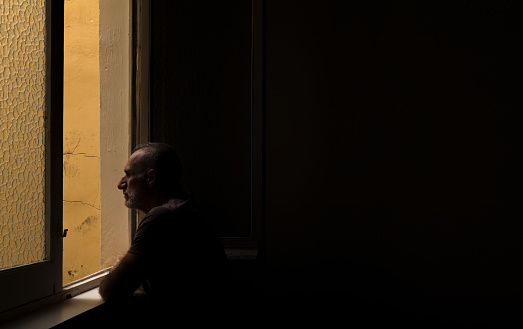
<point>22,132</point>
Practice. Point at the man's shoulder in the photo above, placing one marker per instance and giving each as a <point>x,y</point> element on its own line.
<point>157,212</point>
<point>162,213</point>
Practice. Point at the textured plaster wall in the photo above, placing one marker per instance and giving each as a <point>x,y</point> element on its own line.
<point>81,158</point>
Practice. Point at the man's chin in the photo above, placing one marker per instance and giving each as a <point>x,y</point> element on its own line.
<point>131,205</point>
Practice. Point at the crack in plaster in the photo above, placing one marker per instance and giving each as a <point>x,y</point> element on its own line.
<point>84,154</point>
<point>86,204</point>
<point>74,149</point>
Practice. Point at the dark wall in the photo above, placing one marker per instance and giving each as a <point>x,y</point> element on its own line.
<point>389,147</point>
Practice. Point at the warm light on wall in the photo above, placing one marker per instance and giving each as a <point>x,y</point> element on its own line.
<point>81,205</point>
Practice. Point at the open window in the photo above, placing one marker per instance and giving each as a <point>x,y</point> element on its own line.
<point>123,121</point>
<point>34,156</point>
<point>31,148</point>
<point>97,134</point>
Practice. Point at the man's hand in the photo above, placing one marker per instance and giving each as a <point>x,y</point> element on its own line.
<point>140,292</point>
<point>115,265</point>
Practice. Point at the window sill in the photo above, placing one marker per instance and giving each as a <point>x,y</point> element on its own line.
<point>75,298</point>
<point>79,301</point>
<point>60,312</point>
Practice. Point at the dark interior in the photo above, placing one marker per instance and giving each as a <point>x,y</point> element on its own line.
<point>388,184</point>
<point>388,145</point>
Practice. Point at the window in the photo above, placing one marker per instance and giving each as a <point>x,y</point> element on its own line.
<point>32,148</point>
<point>123,122</point>
<point>30,118</point>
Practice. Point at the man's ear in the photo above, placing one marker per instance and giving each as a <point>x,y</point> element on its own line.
<point>151,178</point>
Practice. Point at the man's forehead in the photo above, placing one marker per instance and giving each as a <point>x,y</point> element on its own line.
<point>133,159</point>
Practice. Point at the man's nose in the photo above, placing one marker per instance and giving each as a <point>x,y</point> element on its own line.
<point>122,184</point>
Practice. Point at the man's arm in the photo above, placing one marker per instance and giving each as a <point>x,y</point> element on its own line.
<point>124,278</point>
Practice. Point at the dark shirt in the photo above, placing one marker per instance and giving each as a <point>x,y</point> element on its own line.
<point>185,260</point>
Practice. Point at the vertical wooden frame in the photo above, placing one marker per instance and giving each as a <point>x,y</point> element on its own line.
<point>257,120</point>
<point>140,82</point>
<point>257,132</point>
<point>54,206</point>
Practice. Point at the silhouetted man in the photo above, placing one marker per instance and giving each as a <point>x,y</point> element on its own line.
<point>175,260</point>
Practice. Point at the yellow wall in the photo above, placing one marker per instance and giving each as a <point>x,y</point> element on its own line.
<point>81,161</point>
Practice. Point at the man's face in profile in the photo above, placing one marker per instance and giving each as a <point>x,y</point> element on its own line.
<point>133,184</point>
